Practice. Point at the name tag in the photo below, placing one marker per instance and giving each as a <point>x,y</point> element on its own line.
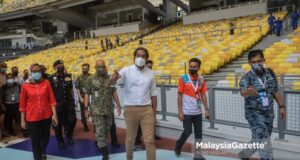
<point>264,98</point>
<point>199,103</point>
<point>96,94</point>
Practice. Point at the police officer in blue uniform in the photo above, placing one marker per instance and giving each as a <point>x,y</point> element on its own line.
<point>260,87</point>
<point>62,86</point>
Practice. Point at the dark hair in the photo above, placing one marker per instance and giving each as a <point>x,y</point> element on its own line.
<point>34,65</point>
<point>86,64</point>
<point>9,74</point>
<point>14,67</point>
<point>195,60</point>
<point>254,53</point>
<point>149,61</point>
<point>143,49</point>
<point>3,65</point>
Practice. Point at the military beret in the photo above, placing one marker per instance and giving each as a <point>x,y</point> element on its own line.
<point>57,62</point>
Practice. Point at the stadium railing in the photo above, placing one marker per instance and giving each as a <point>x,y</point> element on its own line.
<point>226,107</point>
<point>205,34</point>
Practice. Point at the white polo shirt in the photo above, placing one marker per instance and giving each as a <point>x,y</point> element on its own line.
<point>139,85</point>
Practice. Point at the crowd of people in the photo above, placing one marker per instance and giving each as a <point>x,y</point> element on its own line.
<point>38,101</point>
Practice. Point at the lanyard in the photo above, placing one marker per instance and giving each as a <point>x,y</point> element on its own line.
<point>263,83</point>
<point>194,86</point>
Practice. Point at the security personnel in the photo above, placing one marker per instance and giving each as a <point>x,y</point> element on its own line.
<point>61,83</point>
<point>260,87</point>
<point>80,86</point>
<point>101,106</point>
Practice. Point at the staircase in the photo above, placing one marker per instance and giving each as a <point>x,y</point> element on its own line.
<point>236,65</point>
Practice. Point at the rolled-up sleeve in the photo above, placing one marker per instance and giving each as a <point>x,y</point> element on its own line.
<point>153,90</point>
<point>23,99</point>
<point>88,86</point>
<point>77,83</point>
<point>51,96</point>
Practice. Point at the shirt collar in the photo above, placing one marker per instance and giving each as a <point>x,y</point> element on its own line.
<point>137,69</point>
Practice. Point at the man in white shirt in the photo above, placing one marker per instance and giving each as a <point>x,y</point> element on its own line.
<point>140,100</point>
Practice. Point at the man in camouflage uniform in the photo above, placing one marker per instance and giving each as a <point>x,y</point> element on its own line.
<point>260,87</point>
<point>80,86</point>
<point>99,87</point>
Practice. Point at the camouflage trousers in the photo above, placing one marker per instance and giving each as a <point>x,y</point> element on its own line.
<point>261,130</point>
<point>102,125</point>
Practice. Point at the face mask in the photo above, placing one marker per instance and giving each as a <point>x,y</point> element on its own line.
<point>26,75</point>
<point>15,73</point>
<point>36,76</point>
<point>85,71</point>
<point>257,67</point>
<point>60,69</point>
<point>10,81</point>
<point>3,70</point>
<point>193,71</point>
<point>101,70</point>
<point>139,61</point>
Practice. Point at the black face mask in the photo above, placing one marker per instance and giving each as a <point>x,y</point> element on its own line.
<point>15,73</point>
<point>193,71</point>
<point>60,69</point>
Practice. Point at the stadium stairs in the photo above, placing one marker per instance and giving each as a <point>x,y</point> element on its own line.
<point>235,66</point>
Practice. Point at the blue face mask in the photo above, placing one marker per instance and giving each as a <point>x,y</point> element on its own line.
<point>36,76</point>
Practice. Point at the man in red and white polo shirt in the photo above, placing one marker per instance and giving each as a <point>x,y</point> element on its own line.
<point>191,96</point>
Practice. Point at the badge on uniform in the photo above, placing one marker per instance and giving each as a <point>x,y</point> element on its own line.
<point>264,98</point>
<point>13,97</point>
<point>68,79</point>
<point>96,94</point>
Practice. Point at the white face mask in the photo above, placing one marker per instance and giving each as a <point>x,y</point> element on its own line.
<point>139,61</point>
<point>10,81</point>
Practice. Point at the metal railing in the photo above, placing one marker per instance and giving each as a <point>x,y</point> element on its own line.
<point>285,80</point>
<point>226,107</point>
<point>228,6</point>
<point>206,34</point>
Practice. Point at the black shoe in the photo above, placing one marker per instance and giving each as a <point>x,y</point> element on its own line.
<point>104,152</point>
<point>199,158</point>
<point>177,150</point>
<point>86,128</point>
<point>12,133</point>
<point>44,157</point>
<point>115,144</point>
<point>70,141</point>
<point>157,137</point>
<point>61,145</point>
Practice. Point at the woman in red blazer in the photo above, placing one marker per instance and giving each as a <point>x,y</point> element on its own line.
<point>37,107</point>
